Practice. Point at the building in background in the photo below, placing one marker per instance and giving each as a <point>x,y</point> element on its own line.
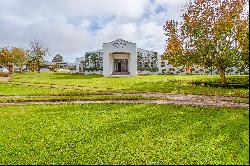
<point>119,58</point>
<point>123,58</point>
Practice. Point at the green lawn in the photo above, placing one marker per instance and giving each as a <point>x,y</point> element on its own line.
<point>47,83</point>
<point>123,134</point>
<point>120,133</point>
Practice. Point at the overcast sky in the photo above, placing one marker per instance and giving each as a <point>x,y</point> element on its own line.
<point>72,27</point>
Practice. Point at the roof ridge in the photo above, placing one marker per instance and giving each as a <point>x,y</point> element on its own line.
<point>120,40</point>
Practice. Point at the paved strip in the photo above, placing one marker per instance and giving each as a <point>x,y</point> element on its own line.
<point>178,102</point>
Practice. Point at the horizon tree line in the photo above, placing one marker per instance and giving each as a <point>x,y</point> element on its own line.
<point>33,57</point>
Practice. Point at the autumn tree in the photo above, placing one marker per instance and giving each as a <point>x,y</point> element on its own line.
<point>213,34</point>
<point>174,48</point>
<point>20,57</point>
<point>53,67</point>
<point>31,63</point>
<point>242,35</point>
<point>37,54</point>
<point>7,59</point>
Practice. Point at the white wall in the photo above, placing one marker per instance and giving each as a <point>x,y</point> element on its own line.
<point>197,70</point>
<point>77,63</point>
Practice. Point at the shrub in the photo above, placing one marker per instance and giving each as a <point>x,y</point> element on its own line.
<point>232,82</point>
<point>141,68</point>
<point>3,74</point>
<point>154,69</point>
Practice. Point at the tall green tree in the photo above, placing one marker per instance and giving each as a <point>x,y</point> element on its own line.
<point>37,54</point>
<point>213,34</point>
<point>57,58</point>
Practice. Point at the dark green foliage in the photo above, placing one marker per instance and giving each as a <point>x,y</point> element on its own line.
<point>57,58</point>
<point>147,63</point>
<point>232,82</point>
<point>94,59</point>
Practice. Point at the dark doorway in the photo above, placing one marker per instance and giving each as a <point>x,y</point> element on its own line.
<point>120,65</point>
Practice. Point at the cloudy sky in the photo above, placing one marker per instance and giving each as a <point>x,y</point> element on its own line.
<point>72,27</point>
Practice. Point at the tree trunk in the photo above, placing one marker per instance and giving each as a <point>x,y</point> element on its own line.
<point>21,69</point>
<point>38,69</point>
<point>222,76</point>
<point>11,68</point>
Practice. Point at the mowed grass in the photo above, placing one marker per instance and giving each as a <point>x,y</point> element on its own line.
<point>123,134</point>
<point>48,83</point>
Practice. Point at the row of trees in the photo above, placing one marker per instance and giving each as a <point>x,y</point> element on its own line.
<point>34,58</point>
<point>213,34</point>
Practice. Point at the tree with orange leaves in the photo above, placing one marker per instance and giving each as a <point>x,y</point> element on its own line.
<point>20,57</point>
<point>7,59</point>
<point>14,56</point>
<point>214,33</point>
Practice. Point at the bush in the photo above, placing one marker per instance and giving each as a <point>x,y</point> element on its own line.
<point>154,69</point>
<point>232,82</point>
<point>141,68</point>
<point>3,74</point>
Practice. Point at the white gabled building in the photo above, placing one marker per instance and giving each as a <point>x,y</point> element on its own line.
<point>119,57</point>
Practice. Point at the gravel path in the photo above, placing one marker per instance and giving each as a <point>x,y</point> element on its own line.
<point>163,95</point>
<point>179,99</point>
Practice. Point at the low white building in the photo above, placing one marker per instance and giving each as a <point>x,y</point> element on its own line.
<point>119,57</point>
